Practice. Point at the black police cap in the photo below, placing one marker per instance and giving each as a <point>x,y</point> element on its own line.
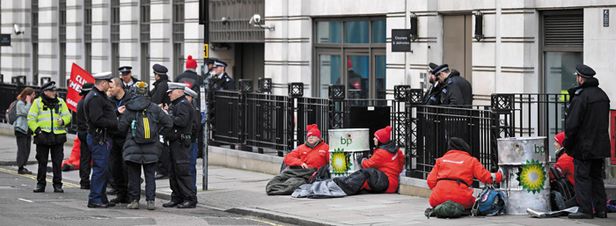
<point>159,69</point>
<point>440,68</point>
<point>584,71</point>
<point>125,69</point>
<point>49,86</point>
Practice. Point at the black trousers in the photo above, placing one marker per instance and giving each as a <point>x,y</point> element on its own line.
<point>24,143</point>
<point>85,157</point>
<point>181,181</point>
<point>119,173</point>
<point>134,180</point>
<point>42,155</point>
<point>589,188</point>
<point>164,162</point>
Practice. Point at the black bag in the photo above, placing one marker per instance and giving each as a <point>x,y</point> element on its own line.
<point>562,190</point>
<point>144,128</point>
<point>11,113</point>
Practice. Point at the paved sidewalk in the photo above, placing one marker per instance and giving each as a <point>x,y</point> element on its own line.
<point>243,192</point>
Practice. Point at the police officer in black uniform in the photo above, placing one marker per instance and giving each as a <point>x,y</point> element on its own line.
<point>85,156</point>
<point>184,194</point>
<point>455,91</point>
<point>432,96</point>
<point>119,97</point>
<point>191,96</point>
<point>587,141</point>
<point>158,94</point>
<point>101,119</point>
<point>126,75</point>
<point>220,80</point>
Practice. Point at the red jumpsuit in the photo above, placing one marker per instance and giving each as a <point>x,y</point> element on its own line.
<point>313,157</point>
<point>455,165</point>
<point>565,165</point>
<point>387,162</point>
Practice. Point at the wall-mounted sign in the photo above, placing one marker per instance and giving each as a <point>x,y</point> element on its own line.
<point>606,18</point>
<point>5,40</point>
<point>401,40</point>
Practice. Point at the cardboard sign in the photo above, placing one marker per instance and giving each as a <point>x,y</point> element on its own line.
<point>79,76</point>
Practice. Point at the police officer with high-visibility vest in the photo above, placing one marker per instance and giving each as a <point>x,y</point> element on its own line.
<point>48,118</point>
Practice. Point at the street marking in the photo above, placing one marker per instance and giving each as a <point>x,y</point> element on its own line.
<point>25,200</point>
<point>33,177</point>
<point>130,218</point>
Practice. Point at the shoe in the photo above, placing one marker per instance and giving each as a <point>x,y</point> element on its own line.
<point>187,204</point>
<point>85,186</point>
<point>119,200</point>
<point>151,205</point>
<point>58,189</point>
<point>161,176</point>
<point>39,188</point>
<point>171,204</point>
<point>580,215</point>
<point>601,214</point>
<point>23,170</point>
<point>133,205</point>
<point>97,205</point>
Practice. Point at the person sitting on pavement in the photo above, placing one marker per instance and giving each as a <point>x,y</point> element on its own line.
<point>562,181</point>
<point>302,163</point>
<point>453,174</point>
<point>564,162</point>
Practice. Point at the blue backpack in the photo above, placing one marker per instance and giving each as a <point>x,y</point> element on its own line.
<point>490,202</point>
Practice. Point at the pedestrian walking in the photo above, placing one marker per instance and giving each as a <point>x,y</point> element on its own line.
<point>22,134</point>
<point>141,124</point>
<point>101,120</point>
<point>587,141</point>
<point>48,118</point>
<point>85,156</point>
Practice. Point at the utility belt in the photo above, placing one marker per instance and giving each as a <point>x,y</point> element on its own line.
<point>456,180</point>
<point>184,138</point>
<point>99,135</point>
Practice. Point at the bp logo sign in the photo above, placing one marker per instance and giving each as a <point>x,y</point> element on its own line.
<point>531,176</point>
<point>340,162</point>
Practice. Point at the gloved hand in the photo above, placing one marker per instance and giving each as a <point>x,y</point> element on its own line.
<point>37,131</point>
<point>497,177</point>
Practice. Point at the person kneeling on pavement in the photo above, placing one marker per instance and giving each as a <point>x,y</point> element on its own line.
<point>302,163</point>
<point>142,122</point>
<point>453,174</point>
<point>379,174</point>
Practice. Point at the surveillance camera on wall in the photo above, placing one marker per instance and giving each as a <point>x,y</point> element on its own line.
<point>17,29</point>
<point>225,20</point>
<point>256,21</point>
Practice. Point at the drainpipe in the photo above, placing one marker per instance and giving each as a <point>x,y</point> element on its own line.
<point>407,18</point>
<point>497,47</point>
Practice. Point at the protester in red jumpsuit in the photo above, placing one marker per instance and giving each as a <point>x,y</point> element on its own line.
<point>564,162</point>
<point>313,154</point>
<point>386,158</point>
<point>452,175</point>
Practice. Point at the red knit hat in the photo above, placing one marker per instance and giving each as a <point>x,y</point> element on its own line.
<point>190,63</point>
<point>313,130</point>
<point>560,138</point>
<point>383,135</point>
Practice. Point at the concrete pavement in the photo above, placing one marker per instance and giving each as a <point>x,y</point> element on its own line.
<point>241,191</point>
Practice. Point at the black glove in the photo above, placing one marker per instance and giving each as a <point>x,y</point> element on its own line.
<point>37,131</point>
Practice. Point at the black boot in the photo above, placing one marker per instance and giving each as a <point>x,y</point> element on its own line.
<point>580,215</point>
<point>171,203</point>
<point>187,204</point>
<point>39,188</point>
<point>601,214</point>
<point>57,188</point>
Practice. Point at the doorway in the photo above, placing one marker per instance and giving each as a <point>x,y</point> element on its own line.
<point>458,43</point>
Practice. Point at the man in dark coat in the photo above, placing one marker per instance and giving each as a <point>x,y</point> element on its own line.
<point>85,156</point>
<point>144,154</point>
<point>184,194</point>
<point>158,94</point>
<point>455,91</point>
<point>101,119</point>
<point>220,80</point>
<point>432,96</point>
<point>126,75</point>
<point>587,141</point>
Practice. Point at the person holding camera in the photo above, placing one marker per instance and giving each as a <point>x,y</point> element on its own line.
<point>48,118</point>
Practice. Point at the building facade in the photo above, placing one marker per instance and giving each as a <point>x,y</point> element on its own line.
<point>518,46</point>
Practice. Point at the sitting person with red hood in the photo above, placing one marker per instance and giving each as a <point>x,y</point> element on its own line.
<point>386,158</point>
<point>301,164</point>
<point>452,175</point>
<point>564,162</point>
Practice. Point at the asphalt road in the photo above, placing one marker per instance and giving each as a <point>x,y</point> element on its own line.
<point>20,206</point>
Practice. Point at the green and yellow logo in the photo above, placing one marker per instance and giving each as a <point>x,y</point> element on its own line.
<point>340,162</point>
<point>532,176</point>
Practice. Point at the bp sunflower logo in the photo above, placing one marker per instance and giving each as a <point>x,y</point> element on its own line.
<point>340,162</point>
<point>532,176</point>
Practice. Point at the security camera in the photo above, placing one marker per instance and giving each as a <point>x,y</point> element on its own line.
<point>17,29</point>
<point>225,20</point>
<point>255,19</point>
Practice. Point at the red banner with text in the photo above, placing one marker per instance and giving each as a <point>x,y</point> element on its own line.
<point>79,76</point>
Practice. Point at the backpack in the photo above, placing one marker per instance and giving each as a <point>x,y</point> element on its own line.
<point>490,202</point>
<point>11,113</point>
<point>448,209</point>
<point>561,190</point>
<point>144,128</point>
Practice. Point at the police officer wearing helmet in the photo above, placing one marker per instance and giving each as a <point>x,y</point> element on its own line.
<point>455,91</point>
<point>48,118</point>
<point>101,120</point>
<point>184,193</point>
<point>587,141</point>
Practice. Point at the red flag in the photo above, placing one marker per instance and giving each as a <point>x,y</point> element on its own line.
<point>79,76</point>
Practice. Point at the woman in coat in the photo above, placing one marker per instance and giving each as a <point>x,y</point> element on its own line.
<point>22,134</point>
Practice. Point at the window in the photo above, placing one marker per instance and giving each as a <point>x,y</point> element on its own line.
<point>34,30</point>
<point>62,52</point>
<point>178,37</point>
<point>87,27</point>
<point>350,52</point>
<point>144,20</point>
<point>115,35</point>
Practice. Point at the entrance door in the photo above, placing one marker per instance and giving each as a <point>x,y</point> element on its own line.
<point>458,43</point>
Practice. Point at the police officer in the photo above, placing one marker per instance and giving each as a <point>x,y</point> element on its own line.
<point>126,75</point>
<point>455,91</point>
<point>85,156</point>
<point>220,80</point>
<point>119,96</point>
<point>101,120</point>
<point>432,96</point>
<point>48,118</point>
<point>190,96</point>
<point>588,142</point>
<point>158,94</point>
<point>184,194</point>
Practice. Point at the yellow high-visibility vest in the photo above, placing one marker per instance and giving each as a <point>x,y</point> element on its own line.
<point>47,119</point>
